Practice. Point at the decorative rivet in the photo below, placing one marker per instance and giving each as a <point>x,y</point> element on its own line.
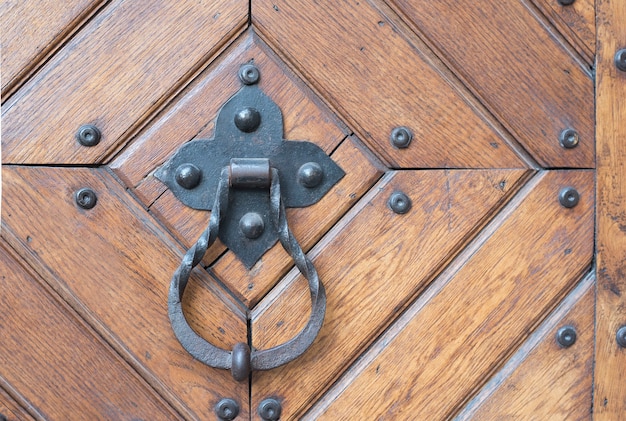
<point>620,59</point>
<point>249,74</point>
<point>568,197</point>
<point>565,2</point>
<point>252,225</point>
<point>569,138</point>
<point>401,137</point>
<point>399,203</point>
<point>248,119</point>
<point>86,198</point>
<point>188,176</point>
<point>269,409</point>
<point>227,409</point>
<point>88,135</point>
<point>620,336</point>
<point>566,336</point>
<point>310,174</point>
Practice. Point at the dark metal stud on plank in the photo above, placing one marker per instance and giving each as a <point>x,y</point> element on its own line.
<point>88,135</point>
<point>227,409</point>
<point>401,137</point>
<point>252,225</point>
<point>249,74</point>
<point>270,409</point>
<point>399,203</point>
<point>188,176</point>
<point>86,198</point>
<point>566,336</point>
<point>310,174</point>
<point>620,59</point>
<point>565,2</point>
<point>620,336</point>
<point>569,138</point>
<point>569,197</point>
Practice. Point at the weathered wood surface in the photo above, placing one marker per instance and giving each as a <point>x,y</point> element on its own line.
<point>518,69</point>
<point>61,367</point>
<point>378,77</point>
<point>121,67</point>
<point>446,346</point>
<point>372,264</point>
<point>113,264</point>
<point>610,387</point>
<point>11,409</point>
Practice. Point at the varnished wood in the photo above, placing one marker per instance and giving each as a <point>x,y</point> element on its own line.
<point>113,264</point>
<point>378,79</point>
<point>446,346</point>
<point>545,381</point>
<point>610,387</point>
<point>57,364</point>
<point>11,409</point>
<point>372,263</point>
<point>32,34</point>
<point>521,72</point>
<point>122,66</point>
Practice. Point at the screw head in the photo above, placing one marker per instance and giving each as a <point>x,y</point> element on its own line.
<point>569,197</point>
<point>399,203</point>
<point>85,198</point>
<point>620,59</point>
<point>227,409</point>
<point>620,336</point>
<point>565,2</point>
<point>88,135</point>
<point>247,120</point>
<point>401,137</point>
<point>566,336</point>
<point>569,138</point>
<point>249,74</point>
<point>252,225</point>
<point>310,175</point>
<point>269,409</point>
<point>188,176</point>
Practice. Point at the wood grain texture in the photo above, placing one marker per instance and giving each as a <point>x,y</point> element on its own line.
<point>576,22</point>
<point>378,79</point>
<point>610,388</point>
<point>31,34</point>
<point>57,364</point>
<point>546,381</point>
<point>114,77</point>
<point>445,348</point>
<point>372,263</point>
<point>520,71</point>
<point>113,264</point>
<point>11,409</point>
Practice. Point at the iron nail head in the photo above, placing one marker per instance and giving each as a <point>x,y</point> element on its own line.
<point>565,2</point>
<point>188,176</point>
<point>620,59</point>
<point>249,74</point>
<point>227,409</point>
<point>270,409</point>
<point>88,135</point>
<point>569,138</point>
<point>252,225</point>
<point>310,175</point>
<point>401,137</point>
<point>569,197</point>
<point>86,198</point>
<point>566,336</point>
<point>399,202</point>
<point>620,336</point>
<point>248,119</point>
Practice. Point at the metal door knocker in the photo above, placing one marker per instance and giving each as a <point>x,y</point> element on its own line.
<point>247,175</point>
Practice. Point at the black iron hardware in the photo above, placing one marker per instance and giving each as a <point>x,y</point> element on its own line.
<point>620,59</point>
<point>86,198</point>
<point>88,135</point>
<point>231,175</point>
<point>269,409</point>
<point>569,138</point>
<point>620,336</point>
<point>227,409</point>
<point>401,137</point>
<point>566,336</point>
<point>568,197</point>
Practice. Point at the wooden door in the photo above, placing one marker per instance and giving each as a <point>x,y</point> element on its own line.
<point>450,310</point>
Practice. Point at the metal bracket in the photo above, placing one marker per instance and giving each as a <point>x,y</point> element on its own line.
<point>249,125</point>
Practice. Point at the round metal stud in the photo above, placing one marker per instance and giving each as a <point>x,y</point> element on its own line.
<point>566,336</point>
<point>86,198</point>
<point>269,409</point>
<point>565,2</point>
<point>401,137</point>
<point>248,120</point>
<point>88,135</point>
<point>620,336</point>
<point>227,409</point>
<point>252,225</point>
<point>188,176</point>
<point>620,60</point>
<point>310,175</point>
<point>249,74</point>
<point>400,203</point>
<point>240,368</point>
<point>569,197</point>
<point>569,138</point>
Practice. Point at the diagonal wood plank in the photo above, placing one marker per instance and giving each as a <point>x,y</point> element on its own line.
<point>444,348</point>
<point>57,364</point>
<point>114,77</point>
<point>378,79</point>
<point>11,409</point>
<point>113,264</point>
<point>372,263</point>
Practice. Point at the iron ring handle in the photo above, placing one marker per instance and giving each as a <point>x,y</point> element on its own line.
<point>241,360</point>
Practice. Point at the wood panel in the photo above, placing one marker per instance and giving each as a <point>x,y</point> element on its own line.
<point>114,77</point>
<point>113,265</point>
<point>610,388</point>
<point>577,23</point>
<point>445,346</point>
<point>30,34</point>
<point>57,364</point>
<point>378,79</point>
<point>10,409</point>
<point>546,381</point>
<point>371,264</point>
<point>521,72</point>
